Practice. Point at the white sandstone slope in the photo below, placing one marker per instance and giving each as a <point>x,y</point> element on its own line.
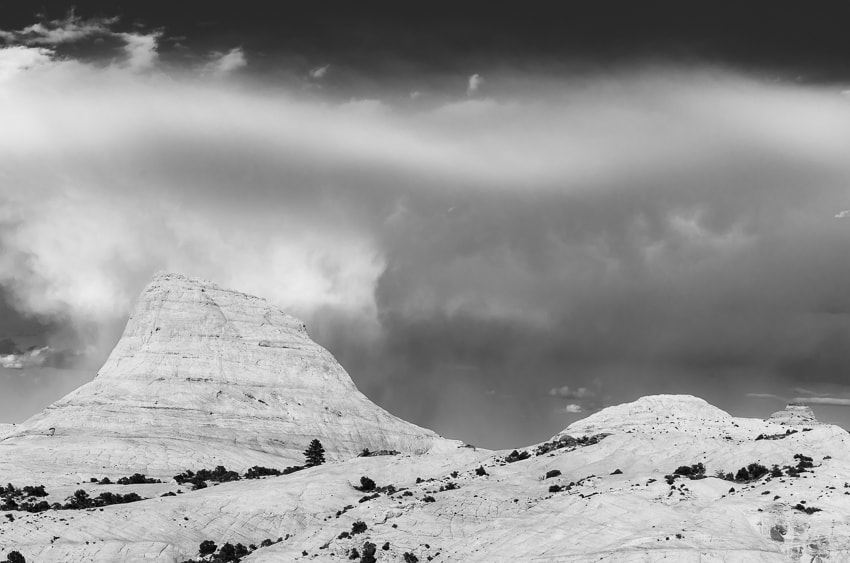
<point>205,376</point>
<point>602,490</point>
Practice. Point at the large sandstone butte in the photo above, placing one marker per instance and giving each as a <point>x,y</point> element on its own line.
<point>205,376</point>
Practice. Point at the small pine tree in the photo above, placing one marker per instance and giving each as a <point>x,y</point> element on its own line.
<point>315,453</point>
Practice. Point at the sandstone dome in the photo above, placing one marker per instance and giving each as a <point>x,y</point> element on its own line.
<point>206,376</point>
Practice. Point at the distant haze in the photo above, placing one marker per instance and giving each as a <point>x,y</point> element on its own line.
<point>492,245</point>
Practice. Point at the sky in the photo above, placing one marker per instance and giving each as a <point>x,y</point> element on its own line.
<point>498,220</point>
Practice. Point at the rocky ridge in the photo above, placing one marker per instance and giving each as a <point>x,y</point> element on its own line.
<point>205,376</point>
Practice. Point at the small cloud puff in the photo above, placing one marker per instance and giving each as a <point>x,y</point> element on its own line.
<point>320,72</point>
<point>225,63</point>
<point>474,84</point>
<point>141,50</point>
<point>567,392</point>
<point>843,214</point>
<point>572,409</point>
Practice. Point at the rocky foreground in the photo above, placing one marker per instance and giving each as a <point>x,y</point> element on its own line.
<point>665,478</point>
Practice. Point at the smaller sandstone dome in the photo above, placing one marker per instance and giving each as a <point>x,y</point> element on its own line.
<point>655,413</point>
<point>794,415</point>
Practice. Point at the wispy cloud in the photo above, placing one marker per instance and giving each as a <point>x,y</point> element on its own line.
<point>225,63</point>
<point>474,84</point>
<point>38,357</point>
<point>320,72</point>
<point>59,31</point>
<point>836,401</point>
<point>567,392</point>
<point>843,214</point>
<point>141,50</point>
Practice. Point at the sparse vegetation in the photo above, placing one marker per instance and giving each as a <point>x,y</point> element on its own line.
<point>552,473</point>
<point>211,553</point>
<point>515,456</point>
<point>15,557</point>
<point>137,479</point>
<point>567,441</point>
<point>481,472</point>
<point>358,528</point>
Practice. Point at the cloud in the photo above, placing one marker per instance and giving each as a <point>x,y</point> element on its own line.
<point>566,392</point>
<point>141,50</point>
<point>843,214</point>
<point>59,31</point>
<point>38,357</point>
<point>474,84</point>
<point>835,401</point>
<point>320,72</point>
<point>610,229</point>
<point>225,63</point>
<point>572,409</point>
<point>19,58</point>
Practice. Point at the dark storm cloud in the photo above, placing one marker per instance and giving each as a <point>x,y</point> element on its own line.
<point>657,230</point>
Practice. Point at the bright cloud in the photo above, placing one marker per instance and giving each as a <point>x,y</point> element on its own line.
<point>225,63</point>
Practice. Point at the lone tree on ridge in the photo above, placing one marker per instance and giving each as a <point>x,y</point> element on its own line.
<point>315,453</point>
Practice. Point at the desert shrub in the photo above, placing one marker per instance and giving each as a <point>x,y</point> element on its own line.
<point>368,497</point>
<point>775,471</point>
<point>314,454</point>
<point>15,557</point>
<point>757,470</point>
<point>137,479</point>
<point>806,509</point>
<point>410,558</point>
<point>358,528</point>
<point>554,488</point>
<point>227,552</point>
<point>105,481</point>
<point>695,471</point>
<point>366,484</point>
<point>429,498</point>
<point>365,453</point>
<point>266,542</point>
<point>552,473</point>
<point>368,553</point>
<point>37,491</point>
<point>517,456</point>
<point>353,554</point>
<point>481,472</point>
<point>207,547</point>
<point>256,472</point>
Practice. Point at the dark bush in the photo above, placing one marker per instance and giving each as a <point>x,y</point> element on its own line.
<point>256,472</point>
<point>517,456</point>
<point>554,488</point>
<point>15,557</point>
<point>37,491</point>
<point>552,473</point>
<point>207,547</point>
<point>227,552</point>
<point>137,479</point>
<point>368,553</point>
<point>410,558</point>
<point>366,484</point>
<point>481,472</point>
<point>358,528</point>
<point>354,554</point>
<point>429,498</point>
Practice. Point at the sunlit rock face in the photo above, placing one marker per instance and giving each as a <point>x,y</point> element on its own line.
<point>204,376</point>
<point>794,415</point>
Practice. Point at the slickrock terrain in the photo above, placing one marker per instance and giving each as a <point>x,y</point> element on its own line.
<point>664,478</point>
<point>204,376</point>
